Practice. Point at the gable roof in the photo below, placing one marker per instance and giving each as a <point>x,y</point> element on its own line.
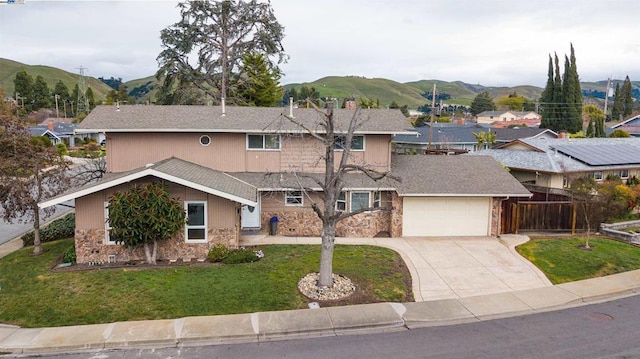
<point>479,176</point>
<point>464,134</point>
<point>631,122</point>
<point>177,171</point>
<point>155,118</point>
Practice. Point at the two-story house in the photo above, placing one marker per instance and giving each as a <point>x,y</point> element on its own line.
<point>236,168</point>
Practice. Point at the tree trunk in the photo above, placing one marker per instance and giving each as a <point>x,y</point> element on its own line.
<point>37,247</point>
<point>150,253</point>
<point>326,254</point>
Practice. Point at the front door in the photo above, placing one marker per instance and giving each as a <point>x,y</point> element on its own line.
<point>250,216</point>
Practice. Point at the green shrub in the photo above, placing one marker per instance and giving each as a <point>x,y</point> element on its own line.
<point>61,228</point>
<point>240,255</point>
<point>61,148</point>
<point>218,252</point>
<point>69,255</point>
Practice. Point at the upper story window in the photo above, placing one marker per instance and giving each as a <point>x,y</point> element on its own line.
<point>293,198</point>
<point>357,142</point>
<point>196,227</point>
<point>263,142</point>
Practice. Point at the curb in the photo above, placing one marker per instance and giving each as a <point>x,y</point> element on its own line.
<point>313,323</point>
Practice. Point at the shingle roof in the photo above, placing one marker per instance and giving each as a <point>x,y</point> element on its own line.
<point>174,170</point>
<point>464,134</point>
<point>455,176</point>
<point>140,118</point>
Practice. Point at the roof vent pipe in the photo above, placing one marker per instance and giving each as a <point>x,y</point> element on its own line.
<point>224,107</point>
<point>290,106</point>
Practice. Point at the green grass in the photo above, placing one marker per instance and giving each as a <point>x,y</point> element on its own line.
<point>563,261</point>
<point>34,296</point>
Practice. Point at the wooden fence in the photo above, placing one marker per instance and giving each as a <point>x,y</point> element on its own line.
<point>539,216</point>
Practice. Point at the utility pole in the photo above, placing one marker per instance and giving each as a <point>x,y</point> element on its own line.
<point>606,98</point>
<point>433,115</point>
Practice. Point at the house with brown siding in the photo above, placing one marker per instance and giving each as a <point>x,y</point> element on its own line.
<point>236,168</point>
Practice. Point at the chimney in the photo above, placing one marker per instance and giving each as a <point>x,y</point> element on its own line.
<point>291,107</point>
<point>50,125</point>
<point>224,107</point>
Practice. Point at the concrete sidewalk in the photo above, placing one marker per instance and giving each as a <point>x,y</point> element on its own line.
<point>305,323</point>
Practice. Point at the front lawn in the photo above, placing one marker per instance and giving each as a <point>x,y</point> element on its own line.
<point>562,260</point>
<point>31,295</point>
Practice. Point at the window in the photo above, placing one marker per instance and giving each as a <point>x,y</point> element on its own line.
<point>597,176</point>
<point>622,174</point>
<point>293,198</point>
<point>205,140</point>
<point>359,200</point>
<point>196,227</point>
<point>357,142</point>
<point>263,142</point>
<point>377,199</point>
<point>107,226</point>
<point>341,202</point>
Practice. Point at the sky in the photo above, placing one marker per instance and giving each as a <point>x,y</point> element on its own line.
<point>489,42</point>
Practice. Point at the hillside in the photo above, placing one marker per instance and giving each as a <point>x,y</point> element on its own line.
<point>9,69</point>
<point>413,93</point>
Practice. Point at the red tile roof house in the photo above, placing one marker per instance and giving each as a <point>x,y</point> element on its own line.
<point>236,171</point>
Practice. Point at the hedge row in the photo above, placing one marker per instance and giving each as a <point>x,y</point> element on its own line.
<point>61,228</point>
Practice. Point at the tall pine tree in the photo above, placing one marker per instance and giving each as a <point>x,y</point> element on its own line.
<point>616,111</point>
<point>557,121</point>
<point>573,95</point>
<point>626,97</point>
<point>546,110</point>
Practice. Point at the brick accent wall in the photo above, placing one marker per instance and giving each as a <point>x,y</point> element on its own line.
<point>91,247</point>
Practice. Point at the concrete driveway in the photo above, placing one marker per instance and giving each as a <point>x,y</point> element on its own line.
<point>449,267</point>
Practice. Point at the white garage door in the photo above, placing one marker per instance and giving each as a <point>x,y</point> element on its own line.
<point>446,216</point>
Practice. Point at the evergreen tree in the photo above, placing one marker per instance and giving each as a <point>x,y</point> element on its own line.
<point>91,98</point>
<point>261,87</point>
<point>23,84</point>
<point>572,94</point>
<point>293,93</point>
<point>546,109</point>
<point>63,97</point>
<point>599,128</point>
<point>482,102</point>
<point>557,121</point>
<point>626,97</point>
<point>41,94</point>
<point>616,111</point>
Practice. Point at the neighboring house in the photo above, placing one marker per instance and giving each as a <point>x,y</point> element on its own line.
<point>631,126</point>
<point>235,171</point>
<point>56,132</point>
<point>461,139</point>
<point>489,117</point>
<point>554,162</point>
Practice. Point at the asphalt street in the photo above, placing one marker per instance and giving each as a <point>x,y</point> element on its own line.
<point>9,231</point>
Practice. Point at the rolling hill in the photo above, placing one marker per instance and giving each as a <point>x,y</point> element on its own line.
<point>9,69</point>
<point>413,93</point>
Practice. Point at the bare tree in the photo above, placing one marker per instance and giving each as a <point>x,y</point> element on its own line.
<point>30,171</point>
<point>591,203</point>
<point>333,181</point>
<point>88,171</point>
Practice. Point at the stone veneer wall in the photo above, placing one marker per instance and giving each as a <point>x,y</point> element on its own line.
<point>307,224</point>
<point>91,247</point>
<point>396,215</point>
<point>496,215</point>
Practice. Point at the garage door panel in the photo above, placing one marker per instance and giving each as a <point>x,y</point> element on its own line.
<point>446,216</point>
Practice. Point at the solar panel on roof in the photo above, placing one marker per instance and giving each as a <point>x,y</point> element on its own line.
<point>602,155</point>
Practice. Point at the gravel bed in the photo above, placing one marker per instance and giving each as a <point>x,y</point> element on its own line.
<point>342,287</point>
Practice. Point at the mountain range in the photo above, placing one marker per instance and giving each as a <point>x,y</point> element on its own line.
<point>413,94</point>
